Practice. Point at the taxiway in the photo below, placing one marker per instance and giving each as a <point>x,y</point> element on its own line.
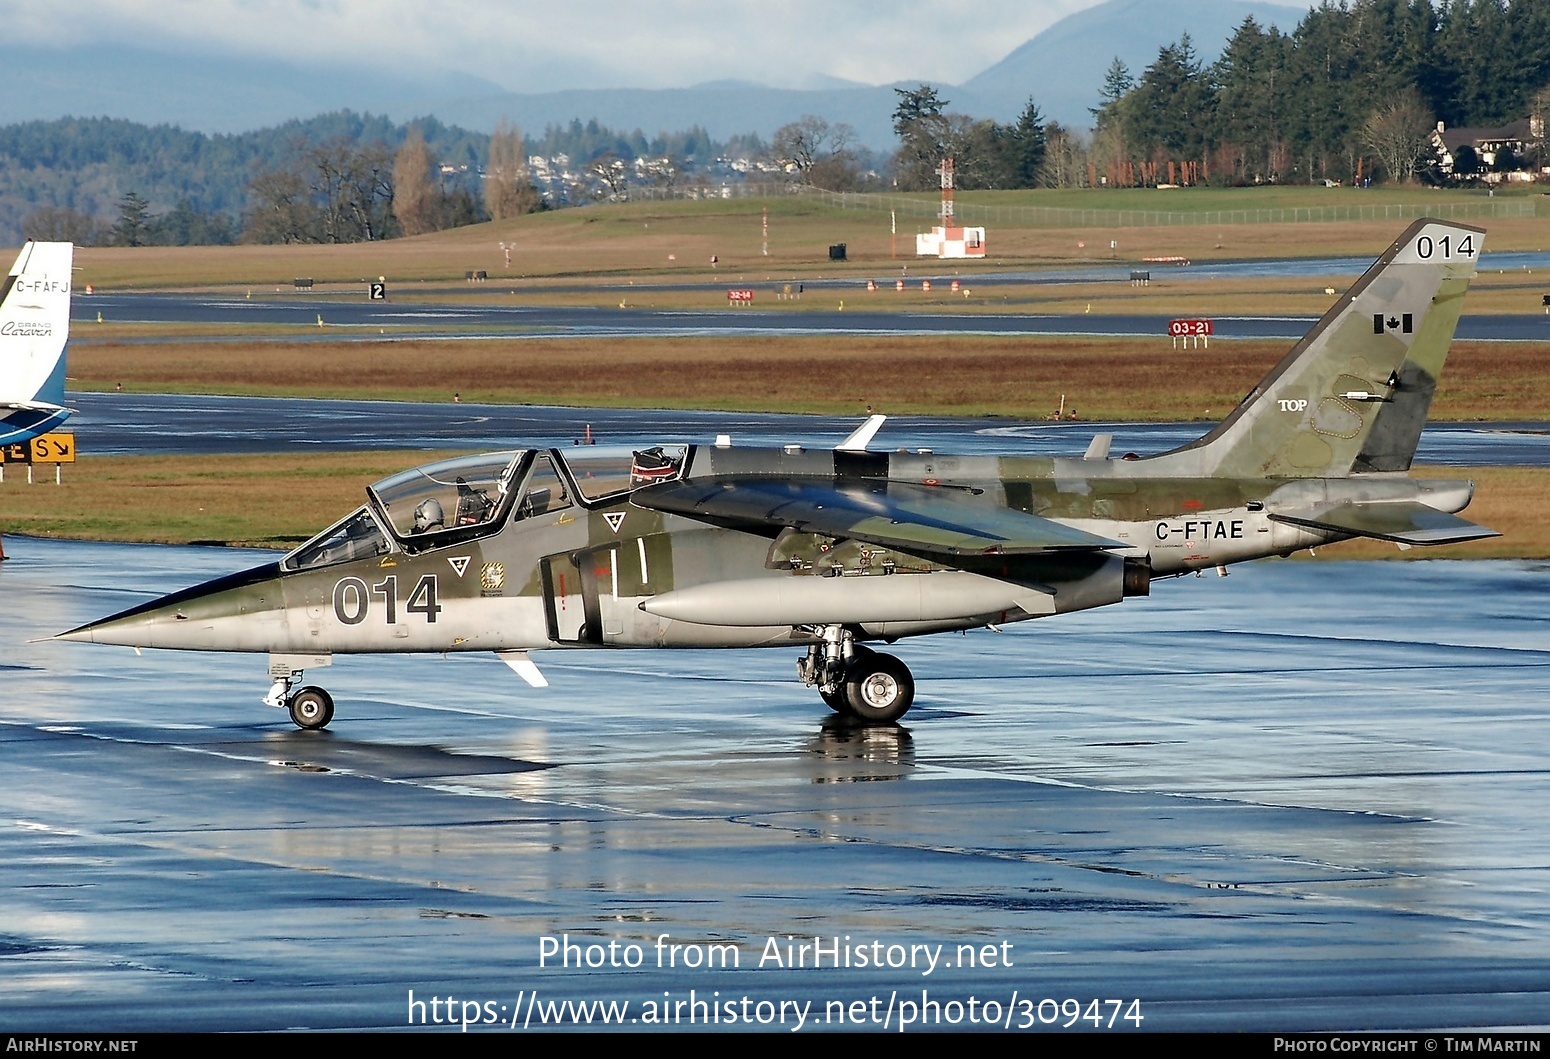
<point>1306,796</point>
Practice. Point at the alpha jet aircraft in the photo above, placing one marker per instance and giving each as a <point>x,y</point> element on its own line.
<point>835,550</point>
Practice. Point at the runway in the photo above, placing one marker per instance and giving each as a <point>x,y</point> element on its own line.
<point>496,320</point>
<point>1309,796</point>
<point>150,424</point>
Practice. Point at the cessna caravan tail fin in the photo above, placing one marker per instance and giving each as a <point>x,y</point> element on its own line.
<point>34,325</point>
<point>1353,395</point>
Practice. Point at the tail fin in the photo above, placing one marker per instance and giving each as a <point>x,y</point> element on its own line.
<point>1354,393</point>
<point>34,326</point>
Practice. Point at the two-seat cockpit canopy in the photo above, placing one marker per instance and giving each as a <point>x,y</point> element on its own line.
<point>471,496</point>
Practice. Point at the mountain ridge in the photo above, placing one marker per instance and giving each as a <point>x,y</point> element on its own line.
<point>1061,68</point>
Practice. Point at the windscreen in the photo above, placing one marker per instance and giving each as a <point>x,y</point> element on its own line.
<point>357,537</point>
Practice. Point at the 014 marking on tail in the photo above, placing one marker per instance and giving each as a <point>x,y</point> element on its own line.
<point>684,545</point>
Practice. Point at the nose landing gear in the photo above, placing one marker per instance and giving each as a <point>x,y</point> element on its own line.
<point>310,707</point>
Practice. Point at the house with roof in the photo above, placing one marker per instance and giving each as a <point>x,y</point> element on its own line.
<point>1491,155</point>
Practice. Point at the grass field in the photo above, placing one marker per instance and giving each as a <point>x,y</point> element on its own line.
<point>678,239</point>
<point>278,501</point>
<point>595,252</point>
<point>258,501</point>
<point>1113,379</point>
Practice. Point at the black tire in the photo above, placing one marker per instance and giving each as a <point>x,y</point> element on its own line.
<point>311,708</point>
<point>879,688</point>
<point>837,700</point>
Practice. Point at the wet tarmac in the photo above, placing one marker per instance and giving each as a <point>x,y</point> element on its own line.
<point>1308,796</point>
<point>147,424</point>
<point>354,317</point>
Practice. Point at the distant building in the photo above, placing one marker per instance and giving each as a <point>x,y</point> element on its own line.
<point>951,242</point>
<point>1491,155</point>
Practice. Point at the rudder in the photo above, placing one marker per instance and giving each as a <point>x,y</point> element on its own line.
<point>1353,395</point>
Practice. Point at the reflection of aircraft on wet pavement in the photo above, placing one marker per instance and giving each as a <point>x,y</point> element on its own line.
<point>723,546</point>
<point>34,325</point>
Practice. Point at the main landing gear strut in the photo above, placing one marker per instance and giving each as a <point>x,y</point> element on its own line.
<point>856,680</point>
<point>311,707</point>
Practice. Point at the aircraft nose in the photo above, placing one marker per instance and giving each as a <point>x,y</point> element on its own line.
<point>197,617</point>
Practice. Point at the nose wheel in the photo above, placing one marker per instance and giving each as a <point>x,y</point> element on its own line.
<point>311,708</point>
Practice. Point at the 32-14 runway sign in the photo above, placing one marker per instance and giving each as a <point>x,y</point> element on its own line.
<point>744,295</point>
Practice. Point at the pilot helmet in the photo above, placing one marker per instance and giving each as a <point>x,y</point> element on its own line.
<point>427,514</point>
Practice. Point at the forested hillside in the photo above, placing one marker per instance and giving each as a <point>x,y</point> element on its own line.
<point>1353,85</point>
<point>1350,95</point>
<point>88,165</point>
<point>73,178</point>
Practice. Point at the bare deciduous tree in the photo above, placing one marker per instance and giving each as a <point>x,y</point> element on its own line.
<point>353,188</point>
<point>819,152</point>
<point>332,192</point>
<point>1539,126</point>
<point>612,173</point>
<point>1398,135</point>
<point>281,210</point>
<point>416,196</point>
<point>1065,160</point>
<point>507,190</point>
<point>62,224</point>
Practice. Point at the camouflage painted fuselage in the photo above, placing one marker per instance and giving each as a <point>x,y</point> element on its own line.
<point>578,577</point>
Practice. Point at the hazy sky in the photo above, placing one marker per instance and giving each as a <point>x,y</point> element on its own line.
<point>527,45</point>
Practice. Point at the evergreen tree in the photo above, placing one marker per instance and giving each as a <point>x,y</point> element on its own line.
<point>1169,111</point>
<point>1025,146</point>
<point>923,132</point>
<point>132,228</point>
<point>1248,137</point>
<point>1117,84</point>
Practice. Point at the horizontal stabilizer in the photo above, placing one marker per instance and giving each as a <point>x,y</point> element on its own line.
<point>913,518</point>
<point>1403,522</point>
<point>34,406</point>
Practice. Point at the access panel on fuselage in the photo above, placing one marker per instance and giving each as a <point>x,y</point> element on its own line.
<point>571,603</point>
<point>564,603</point>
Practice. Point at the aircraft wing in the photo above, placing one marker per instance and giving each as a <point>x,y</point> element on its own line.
<point>1405,522</point>
<point>919,519</point>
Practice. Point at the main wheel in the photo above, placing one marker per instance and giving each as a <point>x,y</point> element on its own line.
<point>879,688</point>
<point>311,708</point>
<point>836,700</point>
